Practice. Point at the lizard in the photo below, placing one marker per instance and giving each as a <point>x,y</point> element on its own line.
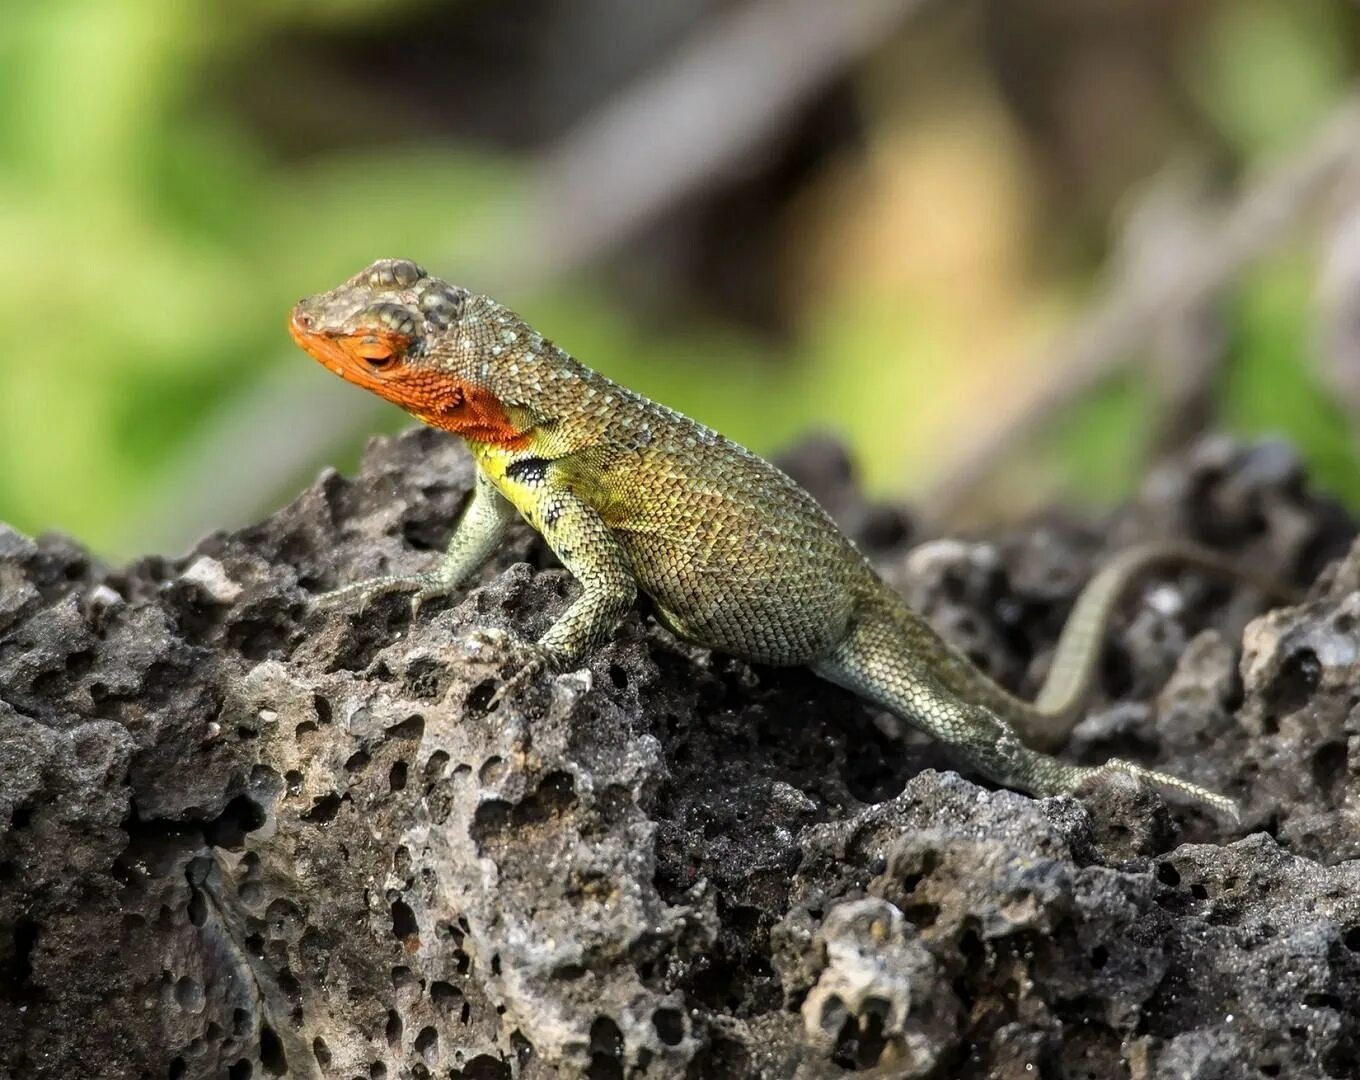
<point>633,496</point>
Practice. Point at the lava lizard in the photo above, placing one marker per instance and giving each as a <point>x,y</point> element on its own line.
<point>631,495</point>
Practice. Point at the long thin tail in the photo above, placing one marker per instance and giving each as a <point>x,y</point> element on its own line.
<point>1047,722</point>
<point>892,658</point>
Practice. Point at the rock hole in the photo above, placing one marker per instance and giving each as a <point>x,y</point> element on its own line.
<point>393,1030</point>
<point>603,1068</point>
<point>379,672</point>
<point>922,916</point>
<point>189,995</point>
<point>485,1067</point>
<point>324,809</point>
<point>1351,939</point>
<point>228,830</point>
<point>524,1049</point>
<point>872,1041</point>
<point>404,926</point>
<point>396,776</point>
<point>1099,957</point>
<point>377,1071</point>
<point>556,794</point>
<point>427,1045</point>
<point>321,1051</point>
<point>1295,682</point>
<point>242,1070</point>
<point>1199,892</point>
<point>606,1038</point>
<point>618,677</point>
<point>426,679</point>
<point>833,1016</point>
<point>1329,766</point>
<point>489,819</point>
<point>493,768</point>
<point>670,1026</point>
<point>434,766</point>
<point>284,918</point>
<point>413,727</point>
<point>198,908</point>
<point>323,709</point>
<point>304,728</point>
<point>445,996</point>
<point>478,699</point>
<point>972,949</point>
<point>292,989</point>
<point>357,761</point>
<point>293,779</point>
<point>1168,875</point>
<point>178,1068</point>
<point>465,1016</point>
<point>272,1057</point>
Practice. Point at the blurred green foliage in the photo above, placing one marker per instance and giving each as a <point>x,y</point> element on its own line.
<point>154,242</point>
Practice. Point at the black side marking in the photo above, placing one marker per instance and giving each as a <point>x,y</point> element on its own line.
<point>527,470</point>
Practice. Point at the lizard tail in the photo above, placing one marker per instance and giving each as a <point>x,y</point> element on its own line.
<point>898,663</point>
<point>1048,721</point>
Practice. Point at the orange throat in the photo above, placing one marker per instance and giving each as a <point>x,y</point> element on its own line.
<point>432,396</point>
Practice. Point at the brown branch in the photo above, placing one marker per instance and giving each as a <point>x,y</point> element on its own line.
<point>1110,335</point>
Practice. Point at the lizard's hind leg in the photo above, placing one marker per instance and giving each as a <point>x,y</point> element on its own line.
<point>886,658</point>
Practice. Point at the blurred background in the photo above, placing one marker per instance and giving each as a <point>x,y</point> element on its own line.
<point>1009,250</point>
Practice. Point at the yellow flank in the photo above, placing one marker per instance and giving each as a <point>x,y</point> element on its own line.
<point>493,463</point>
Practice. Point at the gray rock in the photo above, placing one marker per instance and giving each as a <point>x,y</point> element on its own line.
<point>242,838</point>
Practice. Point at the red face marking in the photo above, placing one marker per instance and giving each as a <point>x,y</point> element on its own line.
<point>375,360</point>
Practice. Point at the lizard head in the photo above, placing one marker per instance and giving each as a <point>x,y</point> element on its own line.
<point>388,329</point>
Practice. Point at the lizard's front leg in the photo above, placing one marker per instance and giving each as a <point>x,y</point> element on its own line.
<point>586,547</point>
<point>481,528</point>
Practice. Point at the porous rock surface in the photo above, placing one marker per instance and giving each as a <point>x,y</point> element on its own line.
<point>243,838</point>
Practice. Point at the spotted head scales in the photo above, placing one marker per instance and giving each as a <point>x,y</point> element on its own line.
<point>417,341</point>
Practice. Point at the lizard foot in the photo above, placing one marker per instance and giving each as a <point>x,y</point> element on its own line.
<point>1220,804</point>
<point>422,587</point>
<point>540,660</point>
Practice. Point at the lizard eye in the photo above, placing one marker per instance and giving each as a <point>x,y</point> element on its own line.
<point>375,352</point>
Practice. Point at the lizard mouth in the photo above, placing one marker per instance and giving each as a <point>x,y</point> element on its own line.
<point>333,354</point>
<point>440,400</point>
<point>315,343</point>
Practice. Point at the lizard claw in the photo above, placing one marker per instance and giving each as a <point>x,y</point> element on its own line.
<point>540,659</point>
<point>419,597</point>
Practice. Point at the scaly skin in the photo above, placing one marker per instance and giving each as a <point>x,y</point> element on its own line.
<point>737,557</point>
